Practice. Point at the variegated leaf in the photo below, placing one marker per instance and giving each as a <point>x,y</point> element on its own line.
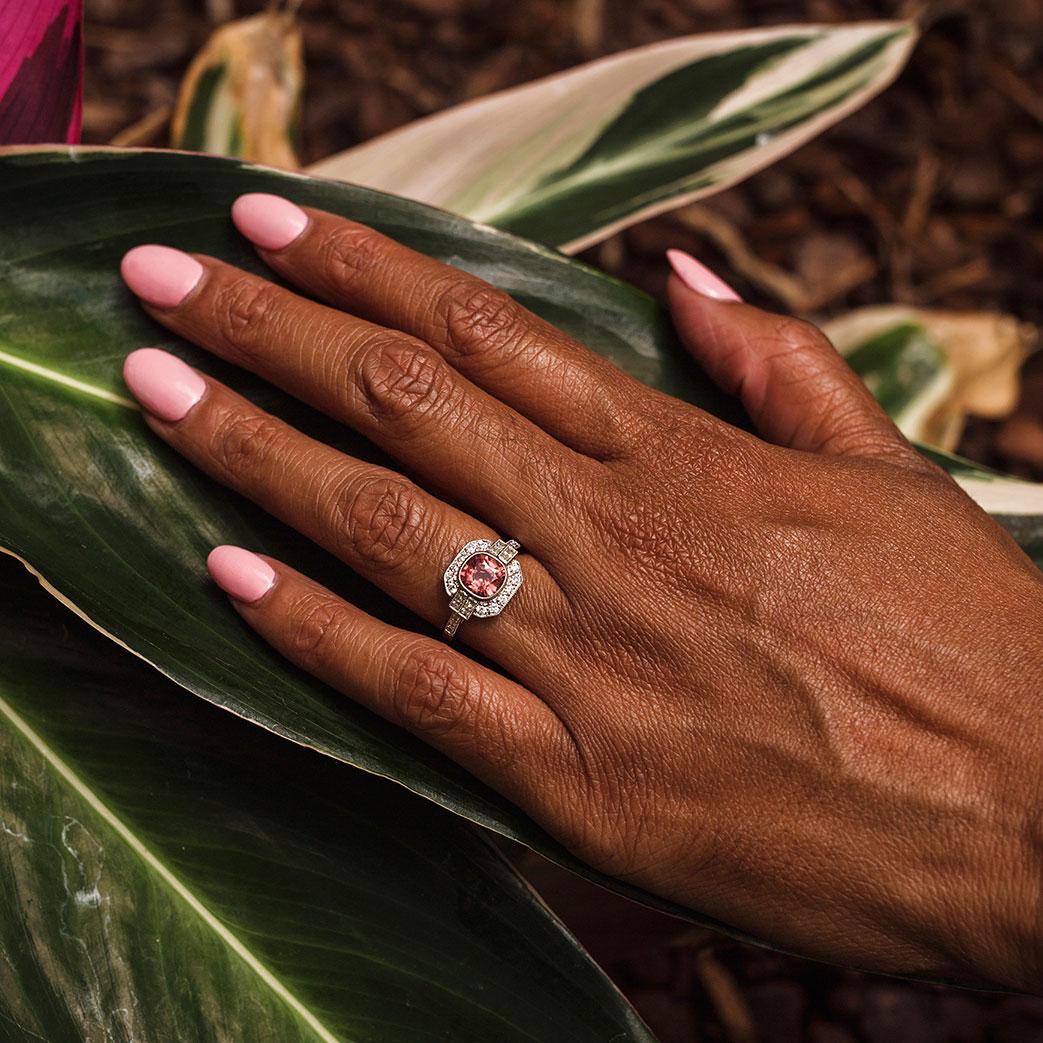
<point>569,159</point>
<point>242,93</point>
<point>931,369</point>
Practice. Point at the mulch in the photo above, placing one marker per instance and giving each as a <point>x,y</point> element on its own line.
<point>930,195</point>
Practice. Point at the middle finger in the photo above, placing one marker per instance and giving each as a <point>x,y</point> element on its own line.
<point>378,522</point>
<point>389,386</point>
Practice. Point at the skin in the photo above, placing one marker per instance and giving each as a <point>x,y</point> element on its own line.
<point>791,680</point>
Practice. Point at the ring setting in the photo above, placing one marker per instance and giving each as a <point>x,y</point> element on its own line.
<point>480,580</point>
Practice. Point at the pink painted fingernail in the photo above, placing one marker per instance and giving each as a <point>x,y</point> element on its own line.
<point>162,383</point>
<point>698,277</point>
<point>268,221</point>
<point>160,275</point>
<point>240,573</point>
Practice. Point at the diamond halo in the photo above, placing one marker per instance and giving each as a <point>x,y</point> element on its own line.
<point>464,603</point>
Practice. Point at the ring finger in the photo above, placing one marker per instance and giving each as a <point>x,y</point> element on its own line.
<point>493,726</point>
<point>381,524</point>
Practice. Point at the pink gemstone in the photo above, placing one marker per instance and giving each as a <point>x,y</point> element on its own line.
<point>483,575</point>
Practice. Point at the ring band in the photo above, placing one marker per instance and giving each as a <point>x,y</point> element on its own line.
<point>480,580</point>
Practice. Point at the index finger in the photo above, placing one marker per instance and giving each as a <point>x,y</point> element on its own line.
<point>573,394</point>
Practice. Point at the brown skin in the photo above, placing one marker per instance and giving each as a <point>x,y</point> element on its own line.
<point>792,681</point>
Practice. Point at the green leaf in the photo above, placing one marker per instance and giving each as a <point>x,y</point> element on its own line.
<point>571,158</point>
<point>170,872</point>
<point>903,367</point>
<point>120,525</point>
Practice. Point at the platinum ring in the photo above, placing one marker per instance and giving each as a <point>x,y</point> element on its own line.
<point>480,580</point>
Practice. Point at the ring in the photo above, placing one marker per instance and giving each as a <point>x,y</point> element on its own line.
<point>480,580</point>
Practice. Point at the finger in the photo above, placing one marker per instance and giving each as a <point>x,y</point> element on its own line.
<point>493,727</point>
<point>388,385</point>
<point>798,391</point>
<point>382,525</point>
<point>575,395</point>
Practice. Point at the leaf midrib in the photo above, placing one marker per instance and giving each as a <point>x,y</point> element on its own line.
<point>64,380</point>
<point>268,977</point>
<point>169,878</point>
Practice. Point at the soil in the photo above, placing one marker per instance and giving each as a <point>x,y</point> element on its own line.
<point>930,195</point>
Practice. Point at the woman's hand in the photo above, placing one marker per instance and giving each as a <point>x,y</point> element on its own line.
<point>792,681</point>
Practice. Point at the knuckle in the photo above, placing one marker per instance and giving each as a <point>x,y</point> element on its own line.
<point>240,444</point>
<point>383,519</point>
<point>848,430</point>
<point>797,335</point>
<point>399,379</point>
<point>348,252</point>
<point>628,421</point>
<point>315,625</point>
<point>432,694</point>
<point>476,315</point>
<point>241,307</point>
<point>688,446</point>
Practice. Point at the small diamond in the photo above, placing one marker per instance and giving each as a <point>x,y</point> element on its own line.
<point>483,575</point>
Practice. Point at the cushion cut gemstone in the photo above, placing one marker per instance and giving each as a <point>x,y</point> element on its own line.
<point>483,575</point>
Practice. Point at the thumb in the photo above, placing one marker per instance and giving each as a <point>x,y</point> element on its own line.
<point>796,388</point>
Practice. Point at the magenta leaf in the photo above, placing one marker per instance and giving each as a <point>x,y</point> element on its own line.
<point>41,71</point>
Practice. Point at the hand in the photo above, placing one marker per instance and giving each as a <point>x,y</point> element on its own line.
<point>791,681</point>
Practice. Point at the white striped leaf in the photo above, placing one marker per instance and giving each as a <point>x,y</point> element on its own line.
<point>931,369</point>
<point>569,159</point>
<point>905,369</point>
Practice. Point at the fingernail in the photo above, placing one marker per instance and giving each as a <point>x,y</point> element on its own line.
<point>698,277</point>
<point>160,275</point>
<point>268,221</point>
<point>162,383</point>
<point>240,573</point>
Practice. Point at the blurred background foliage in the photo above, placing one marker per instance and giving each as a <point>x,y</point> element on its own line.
<point>930,196</point>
